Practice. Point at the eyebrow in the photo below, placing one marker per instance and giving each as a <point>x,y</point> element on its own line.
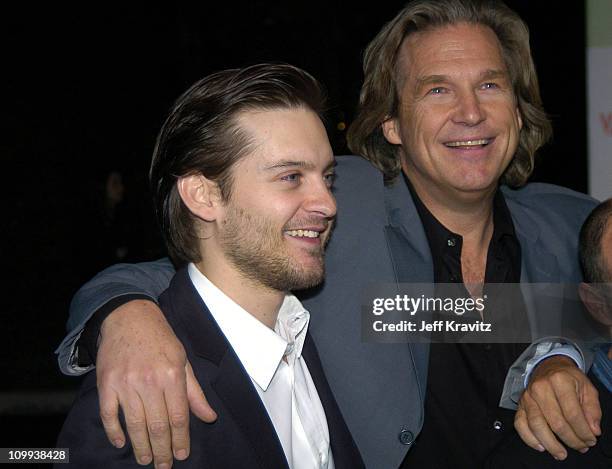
<point>283,164</point>
<point>490,74</point>
<point>430,80</point>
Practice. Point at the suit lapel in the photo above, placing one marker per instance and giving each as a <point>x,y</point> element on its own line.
<point>538,266</point>
<point>410,255</point>
<point>231,383</point>
<point>406,238</point>
<point>248,411</point>
<point>344,450</point>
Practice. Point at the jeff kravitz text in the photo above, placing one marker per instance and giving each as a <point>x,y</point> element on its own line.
<point>434,326</point>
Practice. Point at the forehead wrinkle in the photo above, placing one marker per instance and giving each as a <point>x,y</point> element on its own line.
<point>447,49</point>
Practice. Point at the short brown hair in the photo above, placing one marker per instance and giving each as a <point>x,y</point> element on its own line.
<point>201,135</point>
<point>590,247</point>
<point>379,98</point>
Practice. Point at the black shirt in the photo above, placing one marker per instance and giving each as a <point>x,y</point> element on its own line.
<point>463,421</point>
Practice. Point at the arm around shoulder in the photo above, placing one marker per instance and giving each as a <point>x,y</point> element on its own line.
<point>144,280</point>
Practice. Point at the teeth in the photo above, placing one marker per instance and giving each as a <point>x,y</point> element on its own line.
<point>468,143</point>
<point>303,233</point>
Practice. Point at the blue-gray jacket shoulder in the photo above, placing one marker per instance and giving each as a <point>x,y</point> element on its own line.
<point>539,196</point>
<point>357,177</point>
<point>359,189</point>
<point>557,211</point>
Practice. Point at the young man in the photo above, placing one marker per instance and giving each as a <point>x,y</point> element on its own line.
<point>450,118</point>
<point>242,175</point>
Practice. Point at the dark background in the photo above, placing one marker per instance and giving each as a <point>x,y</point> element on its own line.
<point>84,92</point>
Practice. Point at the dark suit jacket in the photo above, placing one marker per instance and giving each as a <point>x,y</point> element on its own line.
<point>243,435</point>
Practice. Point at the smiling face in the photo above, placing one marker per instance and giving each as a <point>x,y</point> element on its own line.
<point>275,225</point>
<point>458,123</point>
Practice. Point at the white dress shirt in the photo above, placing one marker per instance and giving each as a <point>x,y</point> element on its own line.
<point>273,360</point>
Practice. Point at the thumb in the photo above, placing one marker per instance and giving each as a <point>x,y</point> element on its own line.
<point>197,400</point>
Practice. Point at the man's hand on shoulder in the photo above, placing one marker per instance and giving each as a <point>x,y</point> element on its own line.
<point>560,401</point>
<point>142,367</point>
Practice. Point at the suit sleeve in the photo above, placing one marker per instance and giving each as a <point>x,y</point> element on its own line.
<point>518,374</point>
<point>147,279</point>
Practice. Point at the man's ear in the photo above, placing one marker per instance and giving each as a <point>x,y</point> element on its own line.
<point>391,131</point>
<point>200,195</point>
<point>595,301</point>
<point>519,118</point>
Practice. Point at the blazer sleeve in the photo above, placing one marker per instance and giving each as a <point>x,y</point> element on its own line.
<point>537,351</point>
<point>148,278</point>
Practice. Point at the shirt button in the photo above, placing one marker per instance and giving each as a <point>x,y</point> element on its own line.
<point>406,437</point>
<point>451,242</point>
<point>487,347</point>
<point>497,425</point>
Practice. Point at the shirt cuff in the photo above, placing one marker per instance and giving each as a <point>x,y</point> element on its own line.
<point>87,344</point>
<point>567,350</point>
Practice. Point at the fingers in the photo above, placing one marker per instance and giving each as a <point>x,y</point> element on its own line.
<point>157,429</point>
<point>540,428</point>
<point>592,408</point>
<point>197,400</point>
<point>136,424</point>
<point>109,413</point>
<point>560,401</point>
<point>141,368</point>
<point>178,416</point>
<point>573,429</point>
<point>157,422</point>
<point>522,428</point>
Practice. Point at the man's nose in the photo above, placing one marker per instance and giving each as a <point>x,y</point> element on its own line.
<point>321,200</point>
<point>468,109</point>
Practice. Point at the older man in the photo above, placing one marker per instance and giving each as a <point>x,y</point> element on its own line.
<point>450,119</point>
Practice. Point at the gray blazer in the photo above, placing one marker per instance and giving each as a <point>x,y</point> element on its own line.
<point>380,388</point>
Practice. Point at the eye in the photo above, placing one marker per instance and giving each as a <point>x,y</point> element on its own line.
<point>490,86</point>
<point>437,90</point>
<point>329,179</point>
<point>293,177</point>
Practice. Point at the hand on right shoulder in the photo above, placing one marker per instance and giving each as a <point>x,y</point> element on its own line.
<point>142,367</point>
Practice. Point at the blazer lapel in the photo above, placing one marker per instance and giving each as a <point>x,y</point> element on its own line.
<point>538,266</point>
<point>248,411</point>
<point>406,238</point>
<point>231,383</point>
<point>410,255</point>
<point>344,449</point>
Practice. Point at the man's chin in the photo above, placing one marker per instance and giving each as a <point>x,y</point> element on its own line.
<point>308,278</point>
